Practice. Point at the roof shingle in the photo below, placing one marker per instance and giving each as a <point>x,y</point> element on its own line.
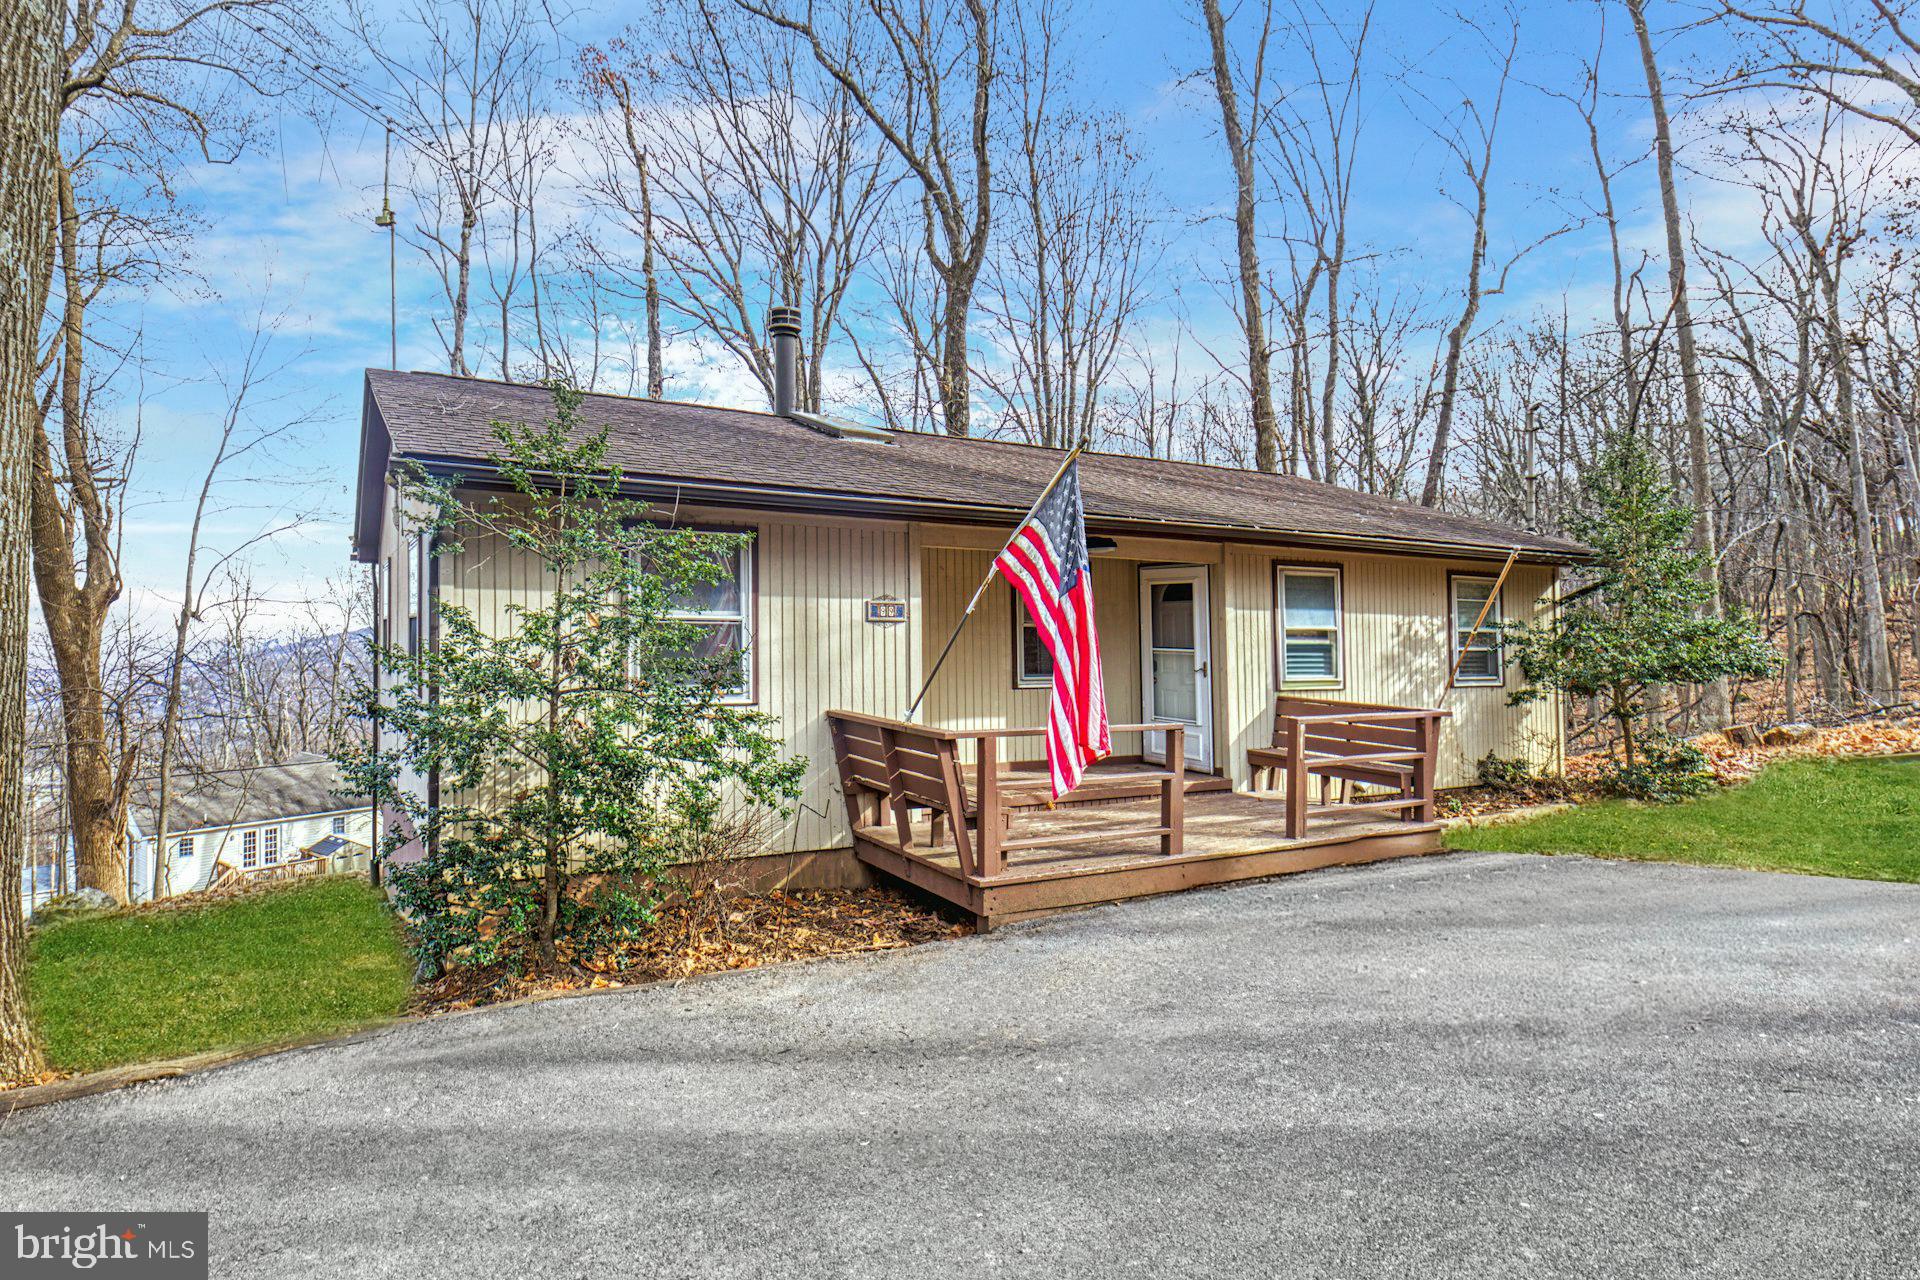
<point>438,418</point>
<point>302,785</point>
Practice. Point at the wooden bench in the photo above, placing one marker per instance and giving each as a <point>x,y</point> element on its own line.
<point>1368,743</point>
<point>891,768</point>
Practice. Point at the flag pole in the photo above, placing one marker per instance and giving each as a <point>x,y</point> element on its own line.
<point>981,590</point>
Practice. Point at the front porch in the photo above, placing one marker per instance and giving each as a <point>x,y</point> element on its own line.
<point>982,834</point>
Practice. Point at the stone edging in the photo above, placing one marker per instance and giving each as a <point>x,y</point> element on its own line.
<point>1502,816</point>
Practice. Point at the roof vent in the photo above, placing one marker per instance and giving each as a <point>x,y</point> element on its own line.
<point>841,428</point>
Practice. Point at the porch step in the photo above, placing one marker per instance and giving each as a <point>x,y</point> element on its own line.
<point>1362,806</point>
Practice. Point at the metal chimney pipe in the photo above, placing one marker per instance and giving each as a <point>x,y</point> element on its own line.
<point>783,327</point>
<point>1529,468</point>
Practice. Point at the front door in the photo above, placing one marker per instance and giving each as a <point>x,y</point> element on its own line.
<point>1176,668</point>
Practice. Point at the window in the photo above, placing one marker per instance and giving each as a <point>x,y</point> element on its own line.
<point>249,849</point>
<point>413,587</point>
<point>724,612</point>
<point>270,846</point>
<point>1032,664</point>
<point>1477,653</point>
<point>183,848</point>
<point>339,827</point>
<point>1309,626</point>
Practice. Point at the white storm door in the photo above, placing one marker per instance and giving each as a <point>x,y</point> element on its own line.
<point>1176,667</point>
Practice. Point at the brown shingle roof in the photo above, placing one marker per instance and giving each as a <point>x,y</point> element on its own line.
<point>437,418</point>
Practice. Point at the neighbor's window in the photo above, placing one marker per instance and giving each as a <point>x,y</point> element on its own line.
<point>249,849</point>
<point>339,826</point>
<point>183,848</point>
<point>270,845</point>
<point>1033,665</point>
<point>724,612</point>
<point>1477,652</point>
<point>1309,626</point>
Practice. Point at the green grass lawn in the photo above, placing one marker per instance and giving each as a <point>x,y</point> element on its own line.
<point>1858,818</point>
<point>301,961</point>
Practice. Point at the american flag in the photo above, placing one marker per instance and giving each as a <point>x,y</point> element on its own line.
<point>1047,563</point>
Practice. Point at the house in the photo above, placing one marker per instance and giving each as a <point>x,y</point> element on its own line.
<point>1219,593</point>
<point>52,864</point>
<point>260,820</point>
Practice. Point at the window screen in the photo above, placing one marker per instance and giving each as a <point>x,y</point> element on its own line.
<point>1309,626</point>
<point>1476,651</point>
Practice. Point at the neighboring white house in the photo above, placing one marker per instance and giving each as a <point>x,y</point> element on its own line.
<point>254,820</point>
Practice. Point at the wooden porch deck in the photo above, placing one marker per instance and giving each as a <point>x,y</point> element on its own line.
<point>1229,836</point>
<point>987,837</point>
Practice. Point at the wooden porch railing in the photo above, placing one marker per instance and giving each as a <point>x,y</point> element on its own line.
<point>225,873</point>
<point>888,768</point>
<point>1366,742</point>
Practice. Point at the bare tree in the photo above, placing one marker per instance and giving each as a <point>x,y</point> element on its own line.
<point>1844,55</point>
<point>1698,468</point>
<point>141,94</point>
<point>753,174</point>
<point>1315,152</point>
<point>241,434</point>
<point>1469,138</point>
<point>1238,123</point>
<point>923,73</point>
<point>29,152</point>
<point>466,80</point>
<point>1826,213</point>
<point>1068,272</point>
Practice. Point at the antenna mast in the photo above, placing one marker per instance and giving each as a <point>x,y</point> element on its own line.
<point>385,219</point>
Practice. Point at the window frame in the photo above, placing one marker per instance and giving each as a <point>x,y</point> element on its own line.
<point>749,615</point>
<point>249,850</point>
<point>413,556</point>
<point>1496,616</point>
<point>337,826</point>
<point>270,846</point>
<point>1315,568</point>
<point>1021,621</point>
<point>183,846</point>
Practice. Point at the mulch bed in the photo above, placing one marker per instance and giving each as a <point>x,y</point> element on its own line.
<point>710,932</point>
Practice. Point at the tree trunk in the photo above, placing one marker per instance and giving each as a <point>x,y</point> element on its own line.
<point>1266,433</point>
<point>75,596</point>
<point>1876,655</point>
<point>29,115</point>
<point>1716,705</point>
<point>550,890</point>
<point>656,370</point>
<point>956,382</point>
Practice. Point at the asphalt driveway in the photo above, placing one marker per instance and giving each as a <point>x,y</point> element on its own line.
<point>1475,1065</point>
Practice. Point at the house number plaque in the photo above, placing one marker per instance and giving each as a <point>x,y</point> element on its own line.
<point>885,610</point>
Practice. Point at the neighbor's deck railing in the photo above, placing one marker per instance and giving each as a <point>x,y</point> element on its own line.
<point>888,768</point>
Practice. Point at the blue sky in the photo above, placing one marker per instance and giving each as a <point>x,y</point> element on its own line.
<point>289,228</point>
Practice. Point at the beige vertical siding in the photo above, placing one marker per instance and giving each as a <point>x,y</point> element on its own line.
<point>816,651</point>
<point>976,690</point>
<point>814,648</point>
<point>1396,650</point>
